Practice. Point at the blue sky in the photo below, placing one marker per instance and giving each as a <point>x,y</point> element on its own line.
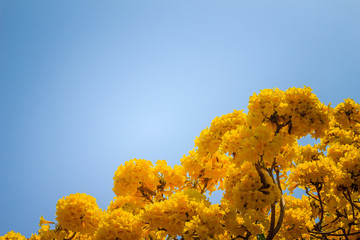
<point>88,85</point>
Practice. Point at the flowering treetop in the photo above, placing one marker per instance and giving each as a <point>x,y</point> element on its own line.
<point>255,159</point>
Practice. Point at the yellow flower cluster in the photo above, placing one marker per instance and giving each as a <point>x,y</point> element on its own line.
<point>297,219</point>
<point>247,189</point>
<point>210,138</point>
<point>130,203</point>
<point>286,158</point>
<point>12,236</point>
<point>336,134</point>
<point>139,177</point>
<point>58,233</point>
<point>347,114</point>
<point>119,224</point>
<point>252,222</point>
<point>308,153</point>
<point>134,174</point>
<point>173,213</point>
<point>253,157</point>
<point>205,162</point>
<point>209,171</point>
<point>349,166</point>
<point>205,224</point>
<point>296,108</point>
<point>45,233</point>
<point>254,144</point>
<point>233,222</point>
<point>312,173</point>
<point>171,178</point>
<point>78,213</point>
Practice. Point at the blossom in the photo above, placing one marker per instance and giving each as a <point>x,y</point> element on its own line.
<point>134,174</point>
<point>43,221</point>
<point>12,236</point>
<point>119,224</point>
<point>79,213</point>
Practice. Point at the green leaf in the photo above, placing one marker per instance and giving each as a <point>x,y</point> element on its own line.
<point>261,237</point>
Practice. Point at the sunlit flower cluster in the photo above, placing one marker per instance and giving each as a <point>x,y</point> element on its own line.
<point>12,235</point>
<point>296,108</point>
<point>347,114</point>
<point>171,178</point>
<point>210,138</point>
<point>119,224</point>
<point>173,213</point>
<point>297,219</point>
<point>78,213</point>
<point>247,189</point>
<point>134,174</point>
<point>206,162</point>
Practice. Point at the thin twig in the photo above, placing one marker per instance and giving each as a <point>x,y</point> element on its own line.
<point>272,223</point>
<point>71,236</point>
<point>309,194</point>
<point>318,225</point>
<point>282,205</point>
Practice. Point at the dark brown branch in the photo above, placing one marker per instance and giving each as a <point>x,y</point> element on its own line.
<point>335,235</point>
<point>309,194</point>
<point>272,223</point>
<point>345,235</point>
<point>71,236</point>
<point>350,200</point>
<point>318,225</point>
<point>337,218</point>
<point>325,233</point>
<point>205,185</point>
<point>281,217</point>
<point>265,185</point>
<point>144,190</point>
<point>282,205</point>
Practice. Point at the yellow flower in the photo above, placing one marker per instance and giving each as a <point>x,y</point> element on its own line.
<point>43,221</point>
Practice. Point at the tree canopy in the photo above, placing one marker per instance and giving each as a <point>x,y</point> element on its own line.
<point>255,159</point>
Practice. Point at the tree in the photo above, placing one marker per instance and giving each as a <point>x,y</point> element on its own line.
<point>255,159</point>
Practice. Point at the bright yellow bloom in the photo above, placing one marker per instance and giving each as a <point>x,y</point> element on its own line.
<point>78,213</point>
<point>171,179</point>
<point>297,109</point>
<point>133,175</point>
<point>119,224</point>
<point>35,237</point>
<point>247,190</point>
<point>12,236</point>
<point>298,217</point>
<point>174,213</point>
<point>206,223</point>
<point>132,204</point>
<point>347,114</point>
<point>43,221</point>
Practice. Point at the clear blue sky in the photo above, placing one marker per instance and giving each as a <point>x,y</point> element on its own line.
<point>88,85</point>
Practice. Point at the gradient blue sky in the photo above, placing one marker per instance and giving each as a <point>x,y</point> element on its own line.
<point>87,85</point>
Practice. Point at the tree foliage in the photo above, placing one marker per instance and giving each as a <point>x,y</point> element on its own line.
<point>255,159</point>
